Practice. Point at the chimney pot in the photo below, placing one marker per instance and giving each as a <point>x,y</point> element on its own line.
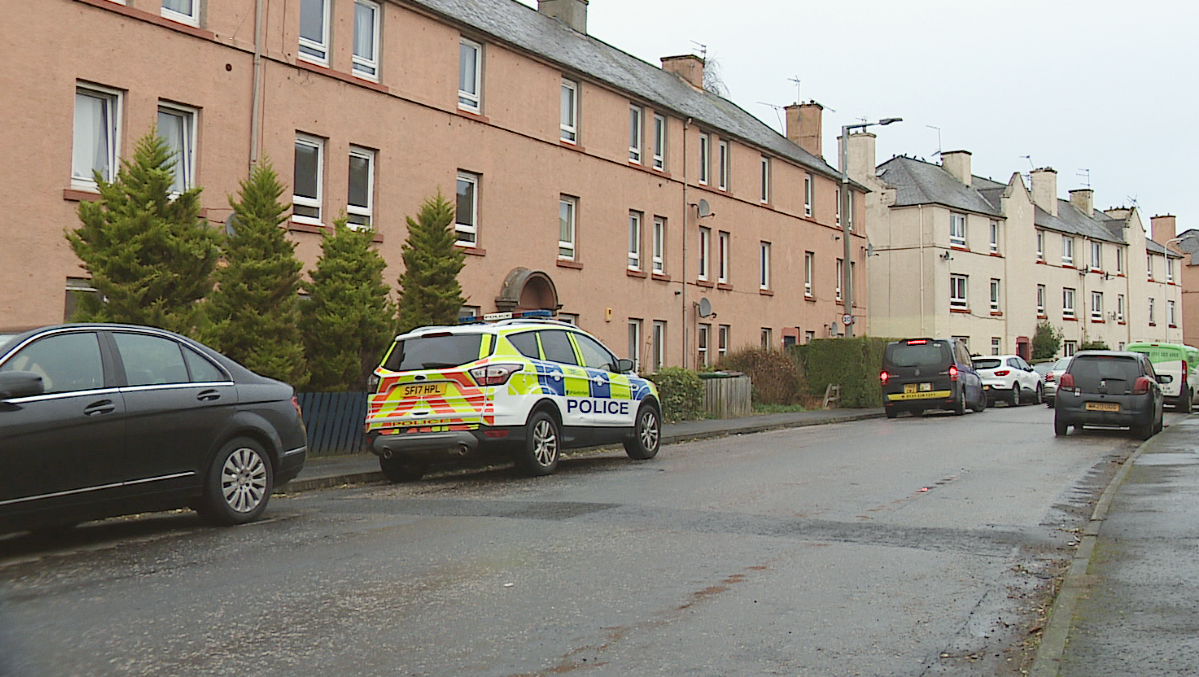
<point>687,66</point>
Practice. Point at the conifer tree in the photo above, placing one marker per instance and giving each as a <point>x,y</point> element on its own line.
<point>429,290</point>
<point>150,255</point>
<point>348,319</point>
<point>254,311</point>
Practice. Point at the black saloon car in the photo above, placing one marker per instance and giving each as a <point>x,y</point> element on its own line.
<point>98,420</point>
<point>1112,389</point>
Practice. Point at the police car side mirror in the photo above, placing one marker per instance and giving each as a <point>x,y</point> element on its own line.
<point>624,366</point>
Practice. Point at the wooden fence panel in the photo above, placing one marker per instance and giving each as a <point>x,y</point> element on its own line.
<point>334,422</point>
<point>728,397</point>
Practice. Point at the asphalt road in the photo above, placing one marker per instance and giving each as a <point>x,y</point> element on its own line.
<point>914,546</point>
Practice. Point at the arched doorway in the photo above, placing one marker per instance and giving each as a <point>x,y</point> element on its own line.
<point>525,289</point>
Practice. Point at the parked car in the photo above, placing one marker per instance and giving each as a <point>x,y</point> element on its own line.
<point>1009,378</point>
<point>1111,389</point>
<point>99,420</point>
<point>925,373</point>
<point>527,387</point>
<point>1178,361</point>
<point>1050,377</point>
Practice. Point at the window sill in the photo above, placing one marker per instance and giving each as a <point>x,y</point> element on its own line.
<point>1121,323</point>
<point>960,310</point>
<point>1041,262</point>
<point>1099,321</point>
<point>570,145</point>
<point>809,298</point>
<point>660,277</point>
<point>149,17</point>
<point>338,75</point>
<point>996,313</point>
<point>1172,326</point>
<point>997,255</point>
<point>640,274</point>
<point>1152,324</point>
<point>473,115</point>
<point>766,292</point>
<point>1042,316</point>
<point>568,263</point>
<point>471,251</point>
<point>304,227</point>
<point>959,247</point>
<point>705,284</point>
<point>79,195</point>
<point>724,286</point>
<point>1069,319</point>
<point>1068,265</point>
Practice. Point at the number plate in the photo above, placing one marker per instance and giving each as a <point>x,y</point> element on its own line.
<point>909,388</point>
<point>912,388</point>
<point>422,389</point>
<point>1103,406</point>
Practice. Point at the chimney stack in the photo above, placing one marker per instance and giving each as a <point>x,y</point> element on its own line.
<point>957,163</point>
<point>1084,200</point>
<point>573,13</point>
<point>804,123</point>
<point>1044,189</point>
<point>1163,229</point>
<point>688,66</point>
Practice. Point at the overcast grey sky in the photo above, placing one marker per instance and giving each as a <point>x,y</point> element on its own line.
<point>1101,85</point>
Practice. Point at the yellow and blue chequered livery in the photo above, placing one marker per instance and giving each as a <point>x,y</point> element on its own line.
<point>530,388</point>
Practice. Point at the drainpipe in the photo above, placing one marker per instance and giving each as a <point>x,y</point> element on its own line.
<point>921,208</point>
<point>256,108</point>
<point>686,213</point>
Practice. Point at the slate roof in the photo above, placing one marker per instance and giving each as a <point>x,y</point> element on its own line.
<point>1072,221</point>
<point>917,182</point>
<point>522,26</point>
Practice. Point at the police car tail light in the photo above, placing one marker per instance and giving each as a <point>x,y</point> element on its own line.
<point>953,372</point>
<point>494,374</point>
<point>1140,386</point>
<point>1002,372</point>
<point>883,377</point>
<point>372,382</point>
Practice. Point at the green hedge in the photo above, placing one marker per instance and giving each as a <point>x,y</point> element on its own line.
<point>854,363</point>
<point>681,393</point>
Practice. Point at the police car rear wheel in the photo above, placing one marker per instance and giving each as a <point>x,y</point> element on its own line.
<point>400,469</point>
<point>647,434</point>
<point>543,441</point>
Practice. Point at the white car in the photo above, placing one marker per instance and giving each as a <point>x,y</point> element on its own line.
<point>1010,379</point>
<point>1051,376</point>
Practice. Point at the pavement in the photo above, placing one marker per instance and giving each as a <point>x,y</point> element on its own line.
<point>1129,604</point>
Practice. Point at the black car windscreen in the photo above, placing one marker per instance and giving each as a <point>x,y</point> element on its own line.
<point>919,355</point>
<point>435,351</point>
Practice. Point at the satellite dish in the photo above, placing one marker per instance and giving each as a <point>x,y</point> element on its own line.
<point>705,209</point>
<point>705,307</point>
<point>231,225</point>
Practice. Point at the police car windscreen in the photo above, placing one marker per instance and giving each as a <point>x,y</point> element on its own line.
<point>434,352</point>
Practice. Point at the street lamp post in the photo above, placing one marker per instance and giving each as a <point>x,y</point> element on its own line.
<point>846,199</point>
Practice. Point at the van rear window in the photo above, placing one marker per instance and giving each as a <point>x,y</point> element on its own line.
<point>918,355</point>
<point>434,352</point>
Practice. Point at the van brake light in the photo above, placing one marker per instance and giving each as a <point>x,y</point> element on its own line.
<point>953,372</point>
<point>883,377</point>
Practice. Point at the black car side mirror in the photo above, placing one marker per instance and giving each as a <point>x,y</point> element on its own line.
<point>14,384</point>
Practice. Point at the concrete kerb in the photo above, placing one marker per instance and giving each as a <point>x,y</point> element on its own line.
<point>1078,582</point>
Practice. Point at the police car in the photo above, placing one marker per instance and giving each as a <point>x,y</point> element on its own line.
<point>522,384</point>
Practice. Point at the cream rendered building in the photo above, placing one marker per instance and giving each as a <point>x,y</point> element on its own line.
<point>960,255</point>
<point>618,192</point>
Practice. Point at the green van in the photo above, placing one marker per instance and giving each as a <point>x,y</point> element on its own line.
<point>1178,361</point>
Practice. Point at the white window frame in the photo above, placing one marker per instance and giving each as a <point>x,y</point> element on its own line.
<point>636,132</point>
<point>313,202</point>
<point>959,291</point>
<point>994,236</point>
<point>659,345</point>
<point>1120,308</point>
<point>840,279</point>
<point>1169,269</point>
<point>1152,310</point>
<point>367,65</point>
<point>568,211</point>
<point>635,240</point>
<point>1041,292</point>
<point>994,295</point>
<point>723,245</point>
<point>185,158</point>
<point>659,245</point>
<point>1119,260</point>
<point>1096,256</point>
<point>361,217</point>
<point>1040,245</point>
<point>312,50</point>
<point>1067,251</point>
<point>192,19</point>
<point>996,345</point>
<point>635,343</point>
<point>767,337</point>
<point>722,165</point>
<point>722,340</point>
<point>1171,318</point>
<point>1069,348</point>
<point>705,253</point>
<point>957,229</point>
<point>466,234</point>
<point>764,257</point>
<point>765,167</point>
<point>1097,305</point>
<point>838,208</point>
<point>807,194</point>
<point>659,142</point>
<point>84,177</point>
<point>569,116</point>
<point>701,343</point>
<point>809,265</point>
<point>1068,302</point>
<point>471,101</point>
<point>1149,265</point>
<point>705,158</point>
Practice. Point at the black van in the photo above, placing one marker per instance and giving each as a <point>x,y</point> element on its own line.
<point>926,373</point>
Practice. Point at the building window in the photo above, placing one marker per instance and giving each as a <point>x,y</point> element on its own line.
<point>1171,319</point>
<point>1067,302</point>
<point>1040,245</point>
<point>366,39</point>
<point>1040,299</point>
<point>957,229</point>
<point>183,11</point>
<point>308,178</point>
<point>722,341</point>
<point>567,206</point>
<point>722,263</point>
<point>635,134</point>
<point>964,340</point>
<point>808,337</point>
<point>994,237</point>
<point>1097,305</point>
<point>659,245</point>
<point>314,31</point>
<point>996,345</point>
<point>1119,260</point>
<point>659,345</point>
<point>97,138</point>
<point>1169,269</point>
<point>765,193</point>
<point>994,295</point>
<point>635,343</point>
<point>767,336</point>
<point>177,126</point>
<point>705,160</point>
<point>838,206</point>
<point>1067,251</point>
<point>570,111</point>
<point>809,264</point>
<point>1120,308</point>
<point>840,279</point>
<point>764,278</point>
<point>1096,256</point>
<point>1149,266</point>
<point>470,313</point>
<point>466,216</point>
<point>722,165</point>
<point>807,195</point>
<point>361,195</point>
<point>702,345</point>
<point>659,142</point>
<point>1069,348</point>
<point>1152,311</point>
<point>470,76</point>
<point>957,291</point>
<point>705,251</point>
<point>634,240</point>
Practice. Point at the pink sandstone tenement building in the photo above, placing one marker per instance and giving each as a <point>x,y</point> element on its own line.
<point>617,192</point>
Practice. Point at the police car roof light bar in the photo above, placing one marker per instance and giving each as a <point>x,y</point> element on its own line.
<point>513,315</point>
